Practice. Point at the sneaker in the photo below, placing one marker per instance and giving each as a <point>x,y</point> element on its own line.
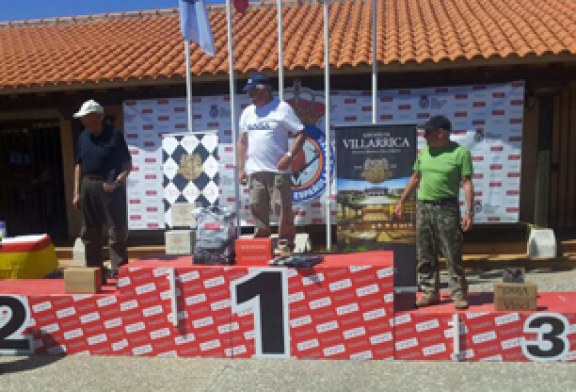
<point>461,303</point>
<point>428,300</point>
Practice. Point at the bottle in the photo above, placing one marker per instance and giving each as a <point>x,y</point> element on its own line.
<point>2,229</point>
<point>283,248</point>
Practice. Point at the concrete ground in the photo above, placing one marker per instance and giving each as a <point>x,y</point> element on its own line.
<point>81,373</point>
<point>548,279</point>
<point>109,374</point>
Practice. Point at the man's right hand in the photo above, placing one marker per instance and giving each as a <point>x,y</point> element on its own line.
<point>242,177</point>
<point>76,201</point>
<point>398,209</point>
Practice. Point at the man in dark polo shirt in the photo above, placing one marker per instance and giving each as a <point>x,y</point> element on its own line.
<point>103,164</point>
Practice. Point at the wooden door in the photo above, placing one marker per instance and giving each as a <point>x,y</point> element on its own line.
<point>31,179</point>
<point>562,197</point>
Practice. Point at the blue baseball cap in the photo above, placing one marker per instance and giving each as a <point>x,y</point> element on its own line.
<point>255,79</point>
<point>435,123</point>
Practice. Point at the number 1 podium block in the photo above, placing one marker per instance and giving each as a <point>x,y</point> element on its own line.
<point>339,309</point>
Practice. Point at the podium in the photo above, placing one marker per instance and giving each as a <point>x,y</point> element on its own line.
<point>343,308</point>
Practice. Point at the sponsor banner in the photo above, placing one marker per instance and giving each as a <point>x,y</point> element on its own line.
<point>488,119</point>
<point>374,165</point>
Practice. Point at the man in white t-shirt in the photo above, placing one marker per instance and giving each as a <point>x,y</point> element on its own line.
<point>265,156</point>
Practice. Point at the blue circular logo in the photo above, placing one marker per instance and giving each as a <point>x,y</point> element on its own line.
<point>309,166</point>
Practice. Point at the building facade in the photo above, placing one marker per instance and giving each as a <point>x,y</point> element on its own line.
<point>51,66</point>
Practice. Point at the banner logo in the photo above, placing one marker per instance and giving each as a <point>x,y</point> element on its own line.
<point>308,166</point>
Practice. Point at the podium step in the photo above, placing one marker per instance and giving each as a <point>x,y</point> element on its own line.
<point>568,246</point>
<point>484,247</point>
<point>495,248</point>
<point>134,252</point>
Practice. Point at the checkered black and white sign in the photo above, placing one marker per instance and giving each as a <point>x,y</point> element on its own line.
<point>190,171</point>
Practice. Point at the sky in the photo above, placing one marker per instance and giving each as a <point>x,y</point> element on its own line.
<point>17,10</point>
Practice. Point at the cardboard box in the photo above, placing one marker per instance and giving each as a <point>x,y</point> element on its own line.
<point>515,296</point>
<point>253,251</point>
<point>179,242</point>
<point>83,280</point>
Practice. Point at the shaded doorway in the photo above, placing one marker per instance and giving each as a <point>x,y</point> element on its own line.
<point>562,135</point>
<point>32,198</point>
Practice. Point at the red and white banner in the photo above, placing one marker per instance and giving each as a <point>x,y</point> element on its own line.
<point>486,118</point>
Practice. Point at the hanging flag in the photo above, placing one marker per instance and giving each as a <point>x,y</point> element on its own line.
<point>195,25</point>
<point>240,5</point>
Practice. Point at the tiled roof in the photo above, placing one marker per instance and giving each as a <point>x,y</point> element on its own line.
<point>145,46</point>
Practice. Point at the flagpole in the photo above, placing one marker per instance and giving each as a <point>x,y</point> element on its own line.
<point>188,85</point>
<point>233,120</point>
<point>327,123</point>
<point>374,62</point>
<point>280,52</point>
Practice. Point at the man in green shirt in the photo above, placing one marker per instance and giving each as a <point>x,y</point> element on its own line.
<point>440,169</point>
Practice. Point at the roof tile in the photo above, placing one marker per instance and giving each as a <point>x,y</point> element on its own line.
<point>148,45</point>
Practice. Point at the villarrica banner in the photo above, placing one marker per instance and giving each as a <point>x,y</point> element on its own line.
<point>373,166</point>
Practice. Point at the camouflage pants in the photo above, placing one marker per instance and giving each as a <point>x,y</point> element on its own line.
<point>438,231</point>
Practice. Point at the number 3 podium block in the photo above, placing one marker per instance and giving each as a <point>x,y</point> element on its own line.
<point>483,334</point>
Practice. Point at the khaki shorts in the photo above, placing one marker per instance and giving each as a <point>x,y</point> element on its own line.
<point>271,189</point>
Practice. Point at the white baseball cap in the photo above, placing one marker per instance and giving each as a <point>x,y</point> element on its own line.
<point>90,106</point>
